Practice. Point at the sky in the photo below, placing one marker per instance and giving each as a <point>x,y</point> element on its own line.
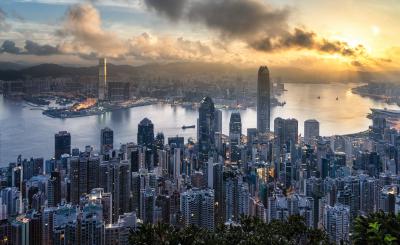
<point>307,34</point>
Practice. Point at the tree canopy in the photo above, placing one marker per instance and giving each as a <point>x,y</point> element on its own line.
<point>377,228</point>
<point>249,230</point>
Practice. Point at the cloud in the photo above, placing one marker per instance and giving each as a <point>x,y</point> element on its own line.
<point>81,34</point>
<point>9,47</point>
<point>238,18</point>
<point>84,34</point>
<point>4,26</point>
<point>261,26</point>
<point>30,48</point>
<point>37,49</point>
<point>165,48</point>
<point>173,9</point>
<point>357,63</point>
<point>301,39</point>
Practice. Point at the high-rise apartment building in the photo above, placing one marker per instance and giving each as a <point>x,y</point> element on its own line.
<point>336,221</point>
<point>197,208</point>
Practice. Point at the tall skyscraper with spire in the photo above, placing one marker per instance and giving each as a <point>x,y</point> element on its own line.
<point>263,100</point>
<point>102,79</point>
<point>206,128</point>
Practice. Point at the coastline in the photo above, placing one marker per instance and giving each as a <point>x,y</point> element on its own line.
<point>59,113</point>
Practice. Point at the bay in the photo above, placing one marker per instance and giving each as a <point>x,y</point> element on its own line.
<point>28,132</point>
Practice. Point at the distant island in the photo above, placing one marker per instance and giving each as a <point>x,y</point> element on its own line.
<point>383,91</point>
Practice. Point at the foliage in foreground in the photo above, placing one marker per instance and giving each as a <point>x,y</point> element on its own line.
<point>377,228</point>
<point>250,231</point>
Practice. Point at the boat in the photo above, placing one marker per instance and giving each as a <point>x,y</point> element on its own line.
<point>190,126</point>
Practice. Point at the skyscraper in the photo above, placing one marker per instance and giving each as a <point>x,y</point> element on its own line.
<point>251,136</point>
<point>235,135</point>
<point>78,178</point>
<point>91,225</point>
<point>159,141</point>
<point>235,128</point>
<point>102,79</point>
<point>197,208</point>
<point>218,121</point>
<point>62,144</point>
<point>336,221</point>
<point>263,100</point>
<point>286,132</point>
<point>311,130</point>
<point>54,189</point>
<point>236,197</point>
<point>145,135</point>
<point>106,140</point>
<point>118,182</point>
<point>206,128</point>
<point>65,225</point>
<point>147,205</point>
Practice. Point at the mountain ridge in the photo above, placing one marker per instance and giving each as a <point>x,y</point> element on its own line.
<point>15,71</point>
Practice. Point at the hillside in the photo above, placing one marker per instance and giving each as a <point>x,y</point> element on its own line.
<point>12,71</point>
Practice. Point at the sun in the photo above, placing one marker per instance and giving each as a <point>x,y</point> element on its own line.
<point>375,30</point>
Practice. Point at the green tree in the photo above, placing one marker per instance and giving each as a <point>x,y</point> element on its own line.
<point>248,231</point>
<point>377,228</point>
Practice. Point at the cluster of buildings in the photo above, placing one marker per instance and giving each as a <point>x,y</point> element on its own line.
<point>112,90</point>
<point>97,195</point>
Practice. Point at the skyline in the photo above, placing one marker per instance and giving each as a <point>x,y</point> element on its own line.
<point>199,121</point>
<point>278,33</point>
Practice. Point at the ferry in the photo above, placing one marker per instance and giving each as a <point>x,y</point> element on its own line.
<point>190,126</point>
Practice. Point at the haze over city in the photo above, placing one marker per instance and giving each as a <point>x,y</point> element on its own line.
<point>317,35</point>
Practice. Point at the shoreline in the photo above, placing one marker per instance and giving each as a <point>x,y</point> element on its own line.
<point>49,113</point>
<point>377,97</point>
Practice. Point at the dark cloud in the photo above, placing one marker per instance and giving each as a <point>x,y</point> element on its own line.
<point>357,63</point>
<point>301,39</point>
<point>90,56</point>
<point>386,60</point>
<point>37,49</point>
<point>260,25</point>
<point>239,18</point>
<point>9,47</point>
<point>30,48</point>
<point>172,9</point>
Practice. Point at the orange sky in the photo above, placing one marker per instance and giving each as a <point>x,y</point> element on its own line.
<point>309,34</point>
